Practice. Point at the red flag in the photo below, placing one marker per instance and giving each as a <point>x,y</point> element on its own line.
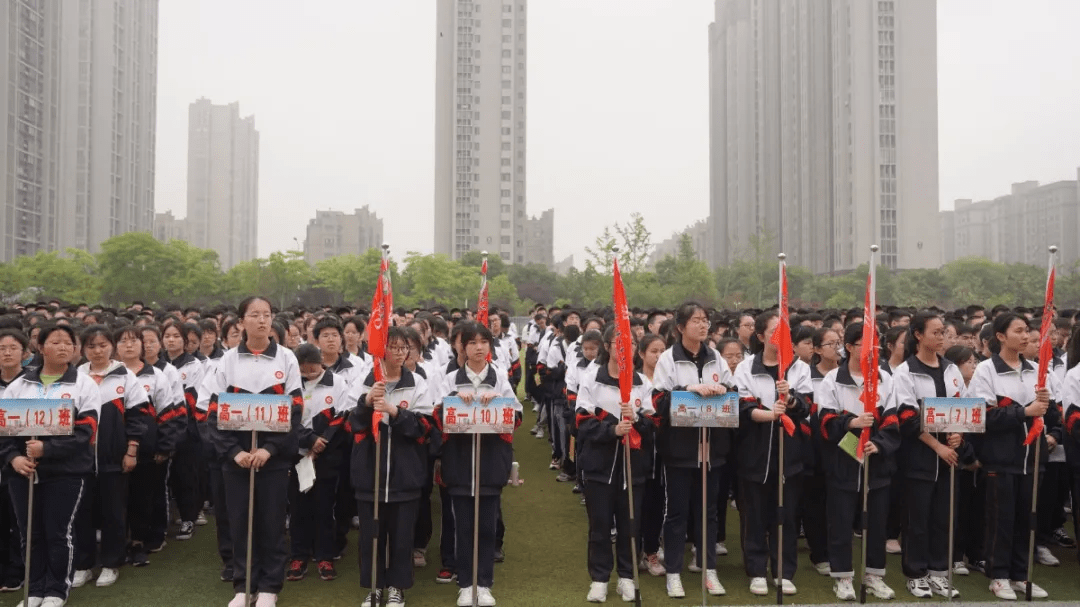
<point>482,304</point>
<point>782,340</point>
<point>1046,351</point>
<point>377,335</point>
<point>869,359</point>
<point>624,347</point>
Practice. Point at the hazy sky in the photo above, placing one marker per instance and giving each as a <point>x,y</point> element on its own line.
<point>343,97</point>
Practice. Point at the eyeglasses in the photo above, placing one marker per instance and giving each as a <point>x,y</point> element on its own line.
<point>258,315</point>
<point>746,325</point>
<point>830,344</point>
<point>701,320</point>
<point>398,349</point>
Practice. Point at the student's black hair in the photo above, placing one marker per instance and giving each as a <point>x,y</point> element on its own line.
<point>685,312</point>
<point>308,353</point>
<point>356,321</point>
<point>646,341</point>
<point>917,325</point>
<point>761,324</point>
<point>228,324</point>
<point>94,331</point>
<point>819,341</point>
<point>187,328</point>
<point>538,317</point>
<point>853,333</point>
<point>470,330</point>
<point>209,325</point>
<point>1001,324</point>
<point>277,330</point>
<point>244,305</point>
<point>959,355</point>
<point>413,338</point>
<point>802,333</point>
<point>570,333</point>
<point>592,336</point>
<point>49,328</point>
<point>126,330</point>
<point>604,356</point>
<point>397,333</point>
<point>18,336</point>
<point>889,339</point>
<point>328,322</point>
<point>1073,348</point>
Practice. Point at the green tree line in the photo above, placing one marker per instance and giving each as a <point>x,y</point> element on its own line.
<point>136,266</point>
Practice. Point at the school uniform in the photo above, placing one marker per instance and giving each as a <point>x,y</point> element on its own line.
<point>759,465</point>
<point>160,513</point>
<point>424,526</point>
<point>811,515</point>
<point>926,476</point>
<point>186,472</point>
<point>124,414</point>
<point>1009,465</point>
<point>11,558</point>
<point>838,403</point>
<point>458,456</point>
<point>312,526</point>
<point>272,371</point>
<point>531,338</point>
<point>345,503</point>
<point>61,473</point>
<point>1070,401</point>
<point>602,465</point>
<point>1056,483</point>
<point>678,448</point>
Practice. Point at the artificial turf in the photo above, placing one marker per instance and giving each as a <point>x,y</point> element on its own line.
<point>545,563</point>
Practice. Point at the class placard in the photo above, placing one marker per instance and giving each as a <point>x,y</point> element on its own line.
<point>37,416</point>
<point>690,410</point>
<point>497,417</point>
<point>240,412</point>
<point>966,415</point>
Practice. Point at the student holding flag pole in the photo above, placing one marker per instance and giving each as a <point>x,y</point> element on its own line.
<point>773,408</point>
<point>857,419</point>
<point>1012,451</point>
<point>615,424</point>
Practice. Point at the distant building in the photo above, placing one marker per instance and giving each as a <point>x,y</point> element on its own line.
<point>333,233</point>
<point>701,237</point>
<point>223,181</point>
<point>564,266</point>
<point>167,227</point>
<point>823,131</point>
<point>77,122</point>
<point>480,128</point>
<point>1018,227</point>
<point>540,239</point>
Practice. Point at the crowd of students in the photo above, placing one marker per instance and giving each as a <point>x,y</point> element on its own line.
<point>146,386</point>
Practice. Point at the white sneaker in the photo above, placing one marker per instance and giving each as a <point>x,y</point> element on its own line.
<point>721,549</point>
<point>266,599</point>
<point>823,568</point>
<point>597,592</point>
<point>789,587</point>
<point>674,586</point>
<point>82,576</point>
<point>35,601</point>
<point>959,568</point>
<point>843,589</point>
<point>758,586</point>
<point>108,576</point>
<point>876,586</point>
<point>238,600</point>
<point>712,583</point>
<point>1045,557</point>
<point>1036,591</point>
<point>1002,590</point>
<point>625,588</point>
<point>940,586</point>
<point>920,588</point>
<point>464,597</point>
<point>893,547</point>
<point>53,601</point>
<point>692,564</point>
<point>484,598</point>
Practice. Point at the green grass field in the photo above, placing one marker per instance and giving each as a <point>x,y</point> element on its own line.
<point>545,564</point>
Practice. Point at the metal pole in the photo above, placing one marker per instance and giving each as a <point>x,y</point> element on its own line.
<point>29,530</point>
<point>952,516</point>
<point>780,521</point>
<point>633,526</point>
<point>476,519</point>
<point>704,514</point>
<point>865,518</point>
<point>1033,521</point>
<point>250,521</point>
<point>375,520</point>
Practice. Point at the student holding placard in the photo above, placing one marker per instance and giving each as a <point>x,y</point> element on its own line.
<point>692,366</point>
<point>60,463</point>
<point>403,400</point>
<point>841,418</point>
<point>761,409</point>
<point>256,366</point>
<point>927,457</point>
<point>602,422</point>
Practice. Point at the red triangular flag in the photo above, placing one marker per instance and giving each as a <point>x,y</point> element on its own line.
<point>785,350</point>
<point>378,328</point>
<point>1046,351</point>
<point>624,347</point>
<point>869,360</point>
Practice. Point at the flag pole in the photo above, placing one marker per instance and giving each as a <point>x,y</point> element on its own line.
<point>377,370</point>
<point>1033,520</point>
<point>31,479</point>
<point>866,456</point>
<point>780,480</point>
<point>476,461</point>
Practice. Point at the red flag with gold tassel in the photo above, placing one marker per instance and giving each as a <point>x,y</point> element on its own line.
<point>624,347</point>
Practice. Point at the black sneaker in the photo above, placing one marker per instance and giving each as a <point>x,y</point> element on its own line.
<point>327,571</point>
<point>187,529</point>
<point>577,488</point>
<point>139,556</point>
<point>979,566</point>
<point>297,570</point>
<point>500,556</point>
<point>11,585</point>
<point>1062,538</point>
<point>226,573</point>
<point>159,547</point>
<point>445,576</point>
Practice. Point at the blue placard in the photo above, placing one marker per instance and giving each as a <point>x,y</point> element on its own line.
<point>690,410</point>
<point>497,417</point>
<point>37,416</point>
<point>967,415</point>
<point>242,412</point>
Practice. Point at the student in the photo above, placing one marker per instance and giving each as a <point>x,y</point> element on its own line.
<point>153,355</point>
<point>416,364</point>
<point>603,420</point>
<point>764,397</point>
<point>692,366</point>
<point>60,464</point>
<point>840,413</point>
<point>124,414</point>
<point>927,457</point>
<point>649,349</point>
<point>476,380</point>
<point>1006,381</point>
<point>257,366</point>
<point>230,333</point>
<point>1070,402</point>
<point>731,351</point>
<point>188,461</point>
<point>14,347</point>
<point>802,339</point>
<point>311,521</point>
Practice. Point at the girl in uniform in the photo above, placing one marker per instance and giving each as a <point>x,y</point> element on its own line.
<point>256,366</point>
<point>649,349</point>
<point>14,348</point>
<point>828,353</point>
<point>187,461</point>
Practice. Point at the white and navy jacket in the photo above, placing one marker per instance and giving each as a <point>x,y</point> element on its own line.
<point>600,455</point>
<point>274,371</point>
<point>497,450</point>
<point>914,382</point>
<point>1070,402</point>
<point>192,371</point>
<point>838,400</point>
<point>326,402</point>
<point>1007,392</point>
<point>403,441</point>
<point>675,370</point>
<point>757,442</point>
<point>124,414</point>
<point>62,456</point>
<point>166,395</point>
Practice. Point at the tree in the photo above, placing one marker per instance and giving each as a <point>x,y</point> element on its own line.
<point>475,259</point>
<point>134,266</point>
<point>437,279</point>
<point>534,282</point>
<point>72,277</point>
<point>635,245</point>
<point>285,275</point>
<point>353,277</point>
<point>685,277</point>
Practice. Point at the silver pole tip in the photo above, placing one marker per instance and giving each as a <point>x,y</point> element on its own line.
<point>1053,249</point>
<point>614,249</point>
<point>386,247</point>
<point>781,257</point>
<point>873,248</point>
<point>484,253</point>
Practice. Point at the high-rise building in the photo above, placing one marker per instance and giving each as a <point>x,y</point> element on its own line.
<point>167,227</point>
<point>823,131</point>
<point>480,137</point>
<point>223,181</point>
<point>540,239</point>
<point>333,233</point>
<point>700,234</point>
<point>77,122</point>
